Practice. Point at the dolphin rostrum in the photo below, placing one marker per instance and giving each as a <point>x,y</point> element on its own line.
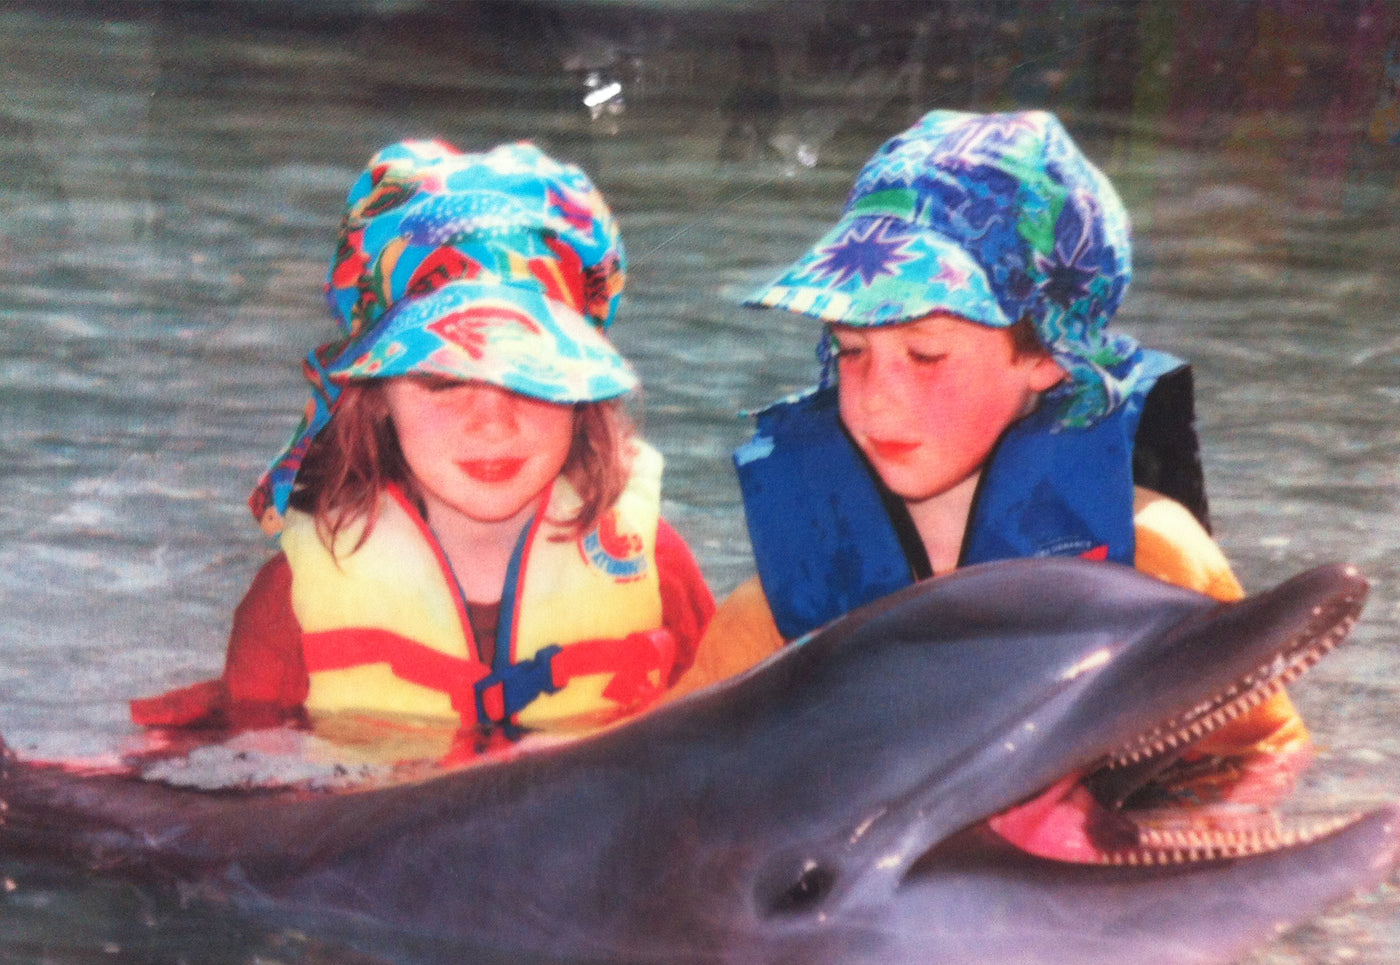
<point>830,805</point>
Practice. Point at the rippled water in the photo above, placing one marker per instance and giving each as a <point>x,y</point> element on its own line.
<point>171,181</point>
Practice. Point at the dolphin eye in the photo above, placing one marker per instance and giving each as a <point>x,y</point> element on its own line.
<point>801,891</point>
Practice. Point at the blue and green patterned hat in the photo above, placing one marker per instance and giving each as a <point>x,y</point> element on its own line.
<point>504,267</point>
<point>992,217</point>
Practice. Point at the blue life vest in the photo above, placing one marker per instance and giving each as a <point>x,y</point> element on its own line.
<point>823,528</point>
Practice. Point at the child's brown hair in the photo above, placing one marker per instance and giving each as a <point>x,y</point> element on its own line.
<point>357,456</point>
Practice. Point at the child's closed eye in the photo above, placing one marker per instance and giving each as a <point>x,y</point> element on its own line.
<point>435,383</point>
<point>926,358</point>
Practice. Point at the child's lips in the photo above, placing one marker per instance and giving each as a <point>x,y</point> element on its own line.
<point>892,448</point>
<point>491,470</point>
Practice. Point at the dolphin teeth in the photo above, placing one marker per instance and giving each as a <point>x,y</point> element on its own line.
<point>1256,687</point>
<point>1202,839</point>
<point>1188,834</point>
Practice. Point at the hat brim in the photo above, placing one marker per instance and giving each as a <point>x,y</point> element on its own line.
<point>878,270</point>
<point>511,336</point>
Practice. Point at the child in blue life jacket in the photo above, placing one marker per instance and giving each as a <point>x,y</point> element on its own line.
<point>972,405</point>
<point>468,530</point>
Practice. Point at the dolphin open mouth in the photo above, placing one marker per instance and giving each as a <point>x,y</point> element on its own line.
<point>1158,800</point>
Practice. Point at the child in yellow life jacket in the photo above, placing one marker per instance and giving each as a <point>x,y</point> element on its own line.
<point>468,529</point>
<point>973,406</point>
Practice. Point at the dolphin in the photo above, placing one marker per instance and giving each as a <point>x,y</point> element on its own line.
<point>830,805</point>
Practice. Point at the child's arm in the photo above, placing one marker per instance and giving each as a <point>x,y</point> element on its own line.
<point>686,601</point>
<point>264,677</point>
<point>265,664</point>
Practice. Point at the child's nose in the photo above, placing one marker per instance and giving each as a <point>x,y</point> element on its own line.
<point>487,409</point>
<point>883,376</point>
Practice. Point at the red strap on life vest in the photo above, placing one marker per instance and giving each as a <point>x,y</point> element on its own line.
<point>630,659</point>
<point>408,659</point>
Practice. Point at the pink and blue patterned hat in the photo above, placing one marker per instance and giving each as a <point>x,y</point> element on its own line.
<point>992,217</point>
<point>504,267</point>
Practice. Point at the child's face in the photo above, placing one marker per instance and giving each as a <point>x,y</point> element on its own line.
<point>927,400</point>
<point>480,451</point>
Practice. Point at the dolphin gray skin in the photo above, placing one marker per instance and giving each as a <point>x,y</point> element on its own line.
<point>827,806</point>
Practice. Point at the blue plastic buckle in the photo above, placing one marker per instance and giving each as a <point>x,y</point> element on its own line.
<point>519,683</point>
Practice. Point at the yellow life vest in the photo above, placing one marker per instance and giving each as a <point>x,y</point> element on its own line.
<point>385,628</point>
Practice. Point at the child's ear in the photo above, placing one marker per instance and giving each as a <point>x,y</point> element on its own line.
<point>1046,373</point>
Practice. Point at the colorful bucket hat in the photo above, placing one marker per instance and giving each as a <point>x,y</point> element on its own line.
<point>992,217</point>
<point>504,267</point>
